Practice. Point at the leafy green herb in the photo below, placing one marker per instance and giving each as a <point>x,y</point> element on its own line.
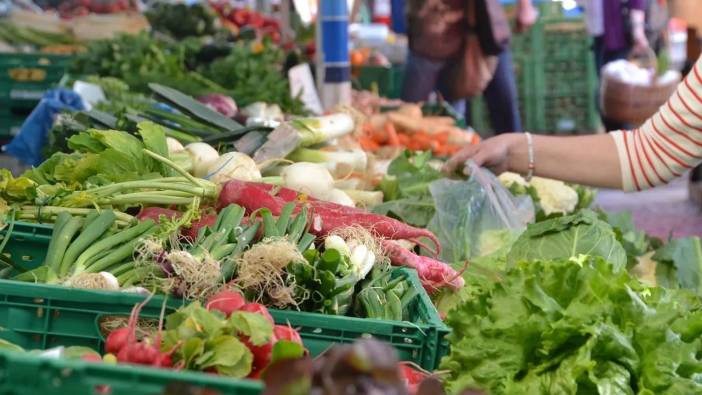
<point>406,189</point>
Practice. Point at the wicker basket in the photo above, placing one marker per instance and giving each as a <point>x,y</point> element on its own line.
<point>633,104</point>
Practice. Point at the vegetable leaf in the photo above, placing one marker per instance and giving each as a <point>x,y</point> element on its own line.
<point>574,326</point>
<point>683,258</point>
<point>567,237</point>
<point>229,357</point>
<point>253,325</point>
<point>154,137</point>
<point>406,189</point>
<point>284,349</point>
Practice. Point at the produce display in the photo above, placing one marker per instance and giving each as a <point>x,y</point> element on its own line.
<point>272,239</point>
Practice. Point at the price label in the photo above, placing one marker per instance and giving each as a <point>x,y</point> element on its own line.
<point>27,74</point>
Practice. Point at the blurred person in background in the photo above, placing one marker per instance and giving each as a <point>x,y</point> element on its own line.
<point>435,30</point>
<point>618,29</point>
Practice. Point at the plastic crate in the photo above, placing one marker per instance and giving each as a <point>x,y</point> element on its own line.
<point>24,77</point>
<point>29,374</point>
<point>65,316</point>
<point>387,80</point>
<point>39,316</point>
<point>423,340</point>
<point>28,243</point>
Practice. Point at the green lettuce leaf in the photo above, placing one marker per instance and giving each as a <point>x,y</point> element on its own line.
<point>574,326</point>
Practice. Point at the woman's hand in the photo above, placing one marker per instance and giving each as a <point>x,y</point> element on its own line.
<point>493,153</point>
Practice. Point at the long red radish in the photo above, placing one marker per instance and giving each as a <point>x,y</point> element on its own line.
<point>327,216</point>
<point>155,213</point>
<point>226,301</point>
<point>194,229</point>
<point>432,273</point>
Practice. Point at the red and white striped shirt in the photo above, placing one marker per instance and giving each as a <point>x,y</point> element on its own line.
<point>667,144</point>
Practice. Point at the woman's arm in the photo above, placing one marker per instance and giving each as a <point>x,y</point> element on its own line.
<point>589,160</point>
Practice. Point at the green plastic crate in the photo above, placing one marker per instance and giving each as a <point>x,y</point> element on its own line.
<point>64,316</point>
<point>28,374</point>
<point>24,77</point>
<point>39,316</point>
<point>388,80</point>
<point>28,243</point>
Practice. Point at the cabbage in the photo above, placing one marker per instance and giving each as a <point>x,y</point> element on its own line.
<point>567,237</point>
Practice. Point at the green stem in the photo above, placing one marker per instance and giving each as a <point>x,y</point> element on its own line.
<point>175,167</point>
<point>146,184</point>
<point>136,198</point>
<point>54,210</point>
<point>122,268</point>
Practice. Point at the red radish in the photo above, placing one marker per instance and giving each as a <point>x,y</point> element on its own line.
<point>255,374</point>
<point>226,301</point>
<point>285,332</point>
<point>327,216</point>
<point>432,273</point>
<point>259,309</point>
<point>413,377</point>
<point>261,354</point>
<point>116,340</point>
<point>91,357</point>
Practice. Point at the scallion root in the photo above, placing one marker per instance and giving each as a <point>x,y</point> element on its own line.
<point>102,280</point>
<point>199,277</point>
<point>355,234</point>
<point>261,271</point>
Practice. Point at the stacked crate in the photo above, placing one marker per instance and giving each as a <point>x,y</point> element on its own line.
<point>24,77</point>
<point>556,80</point>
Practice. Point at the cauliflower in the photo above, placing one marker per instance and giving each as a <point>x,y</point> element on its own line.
<point>554,196</point>
<point>507,179</point>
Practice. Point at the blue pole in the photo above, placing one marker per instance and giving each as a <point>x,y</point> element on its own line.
<point>334,29</point>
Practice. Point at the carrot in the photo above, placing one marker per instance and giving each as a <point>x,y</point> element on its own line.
<point>368,144</point>
<point>442,137</point>
<point>393,140</point>
<point>403,138</point>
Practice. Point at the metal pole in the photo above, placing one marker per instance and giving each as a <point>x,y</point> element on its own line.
<point>333,45</point>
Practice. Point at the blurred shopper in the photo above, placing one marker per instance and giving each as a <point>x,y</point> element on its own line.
<point>436,31</point>
<point>618,29</point>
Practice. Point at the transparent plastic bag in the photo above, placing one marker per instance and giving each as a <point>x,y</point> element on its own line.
<point>478,216</point>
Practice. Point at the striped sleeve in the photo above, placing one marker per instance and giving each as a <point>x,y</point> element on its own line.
<point>667,144</point>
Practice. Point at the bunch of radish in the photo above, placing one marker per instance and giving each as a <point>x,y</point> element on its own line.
<point>228,302</point>
<point>127,348</point>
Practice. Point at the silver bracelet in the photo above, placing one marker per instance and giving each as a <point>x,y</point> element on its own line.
<point>530,153</point>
